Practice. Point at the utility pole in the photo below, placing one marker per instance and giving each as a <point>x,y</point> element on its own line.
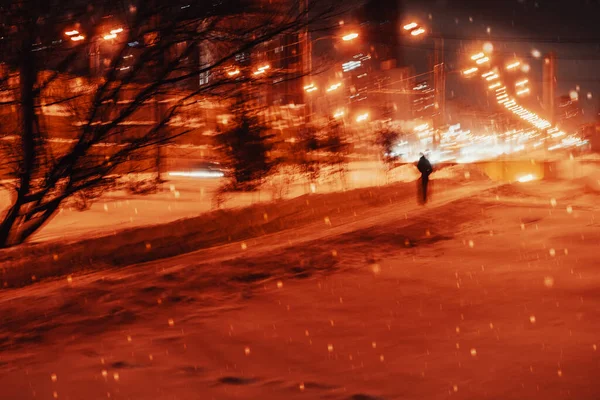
<point>306,61</point>
<point>439,79</point>
<point>549,90</point>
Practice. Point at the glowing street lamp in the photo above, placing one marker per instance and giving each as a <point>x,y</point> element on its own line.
<point>262,70</point>
<point>417,32</point>
<point>333,87</point>
<point>338,114</point>
<point>513,65</point>
<point>410,26</point>
<point>522,83</point>
<point>350,36</point>
<point>470,71</point>
<point>477,56</point>
<point>362,117</point>
<point>310,88</point>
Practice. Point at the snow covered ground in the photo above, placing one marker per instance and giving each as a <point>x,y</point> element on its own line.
<point>487,292</point>
<point>189,197</point>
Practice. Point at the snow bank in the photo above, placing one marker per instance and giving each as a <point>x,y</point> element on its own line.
<point>32,262</point>
<point>460,173</point>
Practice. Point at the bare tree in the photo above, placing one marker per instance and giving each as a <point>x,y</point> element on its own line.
<point>246,149</point>
<point>386,140</point>
<point>154,48</point>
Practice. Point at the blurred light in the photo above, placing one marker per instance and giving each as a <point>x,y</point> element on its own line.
<point>199,174</point>
<point>492,77</point>
<point>111,36</point>
<point>77,38</point>
<point>350,36</point>
<point>522,92</point>
<point>310,88</point>
<point>115,31</point>
<point>350,65</point>
<point>417,32</point>
<point>488,29</point>
<point>513,65</point>
<point>494,85</point>
<point>262,70</point>
<point>525,68</point>
<point>362,117</point>
<point>234,72</point>
<point>410,26</point>
<point>536,53</point>
<point>574,95</point>
<point>488,47</point>
<point>483,60</point>
<point>334,87</point>
<point>72,33</point>
<point>470,71</point>
<point>338,114</point>
<point>477,56</point>
<point>523,82</point>
<point>589,95</point>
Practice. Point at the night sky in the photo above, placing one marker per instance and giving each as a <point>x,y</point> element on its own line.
<point>516,28</point>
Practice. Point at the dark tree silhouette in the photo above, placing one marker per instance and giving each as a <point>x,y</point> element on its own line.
<point>134,55</point>
<point>245,150</point>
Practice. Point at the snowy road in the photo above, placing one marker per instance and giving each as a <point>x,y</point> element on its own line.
<point>485,293</point>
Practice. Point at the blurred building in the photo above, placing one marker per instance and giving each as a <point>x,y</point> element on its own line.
<point>568,113</point>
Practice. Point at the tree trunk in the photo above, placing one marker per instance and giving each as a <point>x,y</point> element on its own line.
<point>27,73</point>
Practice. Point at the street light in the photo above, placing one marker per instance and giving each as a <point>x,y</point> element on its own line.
<point>417,32</point>
<point>362,117</point>
<point>410,26</point>
<point>350,36</point>
<point>262,70</point>
<point>310,88</point>
<point>470,71</point>
<point>513,65</point>
<point>522,83</point>
<point>333,87</point>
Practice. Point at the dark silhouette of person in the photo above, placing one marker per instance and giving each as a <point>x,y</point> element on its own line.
<point>424,167</point>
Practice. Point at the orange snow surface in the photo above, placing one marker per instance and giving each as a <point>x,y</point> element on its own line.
<point>489,291</point>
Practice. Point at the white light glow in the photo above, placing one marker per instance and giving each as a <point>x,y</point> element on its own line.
<point>526,178</point>
<point>483,60</point>
<point>350,36</point>
<point>198,174</point>
<point>362,117</point>
<point>417,32</point>
<point>410,26</point>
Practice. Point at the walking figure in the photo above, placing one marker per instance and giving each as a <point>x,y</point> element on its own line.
<point>424,167</point>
